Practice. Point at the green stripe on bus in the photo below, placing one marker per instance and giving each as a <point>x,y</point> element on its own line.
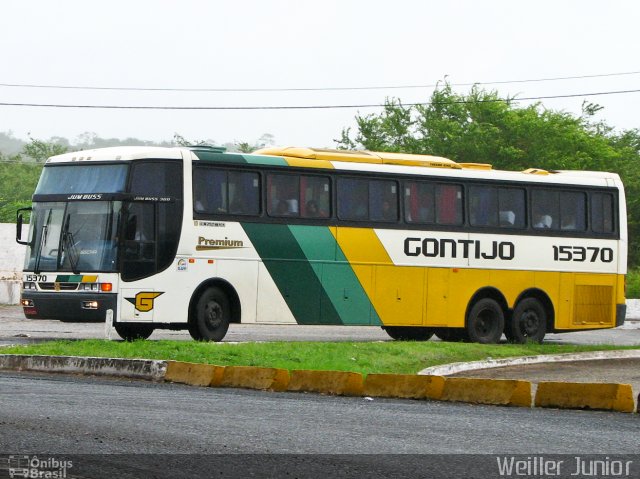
<point>68,278</point>
<point>338,280</point>
<point>265,160</point>
<point>295,277</point>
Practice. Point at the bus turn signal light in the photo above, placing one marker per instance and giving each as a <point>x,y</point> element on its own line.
<point>106,287</point>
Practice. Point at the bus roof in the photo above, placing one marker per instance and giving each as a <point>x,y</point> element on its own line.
<point>352,160</point>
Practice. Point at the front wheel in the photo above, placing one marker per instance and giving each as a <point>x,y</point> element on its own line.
<point>409,333</point>
<point>529,322</point>
<point>131,332</point>
<point>212,315</point>
<point>485,322</point>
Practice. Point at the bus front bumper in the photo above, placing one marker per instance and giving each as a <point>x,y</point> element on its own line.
<point>70,307</point>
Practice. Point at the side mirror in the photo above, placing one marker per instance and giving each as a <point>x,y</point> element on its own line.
<point>19,222</point>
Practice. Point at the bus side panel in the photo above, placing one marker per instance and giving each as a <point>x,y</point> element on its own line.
<point>271,305</point>
<point>437,299</point>
<point>399,294</point>
<point>242,275</point>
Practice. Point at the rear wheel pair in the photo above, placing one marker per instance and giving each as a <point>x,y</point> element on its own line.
<point>529,322</point>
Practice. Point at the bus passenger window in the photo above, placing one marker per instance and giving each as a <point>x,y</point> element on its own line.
<point>602,216</point>
<point>315,197</point>
<point>283,193</point>
<point>419,202</point>
<point>483,206</point>
<point>545,209</point>
<point>353,199</point>
<point>383,200</point>
<point>572,211</point>
<point>449,204</point>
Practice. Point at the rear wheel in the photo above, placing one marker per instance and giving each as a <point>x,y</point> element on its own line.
<point>212,315</point>
<point>131,332</point>
<point>409,333</point>
<point>529,322</point>
<point>485,322</point>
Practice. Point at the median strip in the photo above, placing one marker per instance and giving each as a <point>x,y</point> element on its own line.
<point>505,392</point>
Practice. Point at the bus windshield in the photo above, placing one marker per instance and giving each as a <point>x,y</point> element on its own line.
<point>76,236</point>
<point>74,178</point>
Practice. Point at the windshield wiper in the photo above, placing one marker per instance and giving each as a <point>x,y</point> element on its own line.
<point>69,247</point>
<point>43,240</point>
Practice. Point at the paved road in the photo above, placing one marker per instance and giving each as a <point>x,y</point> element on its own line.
<point>15,328</point>
<point>70,415</point>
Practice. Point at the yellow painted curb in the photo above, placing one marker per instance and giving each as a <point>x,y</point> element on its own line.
<point>607,396</point>
<point>503,392</point>
<point>194,374</point>
<point>251,377</point>
<point>411,386</point>
<point>328,382</point>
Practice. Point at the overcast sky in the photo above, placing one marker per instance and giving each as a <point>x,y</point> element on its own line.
<point>296,44</point>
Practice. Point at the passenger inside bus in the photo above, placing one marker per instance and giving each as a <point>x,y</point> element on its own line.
<point>543,221</point>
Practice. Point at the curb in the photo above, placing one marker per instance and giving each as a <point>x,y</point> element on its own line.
<point>502,392</point>
<point>453,368</point>
<point>603,396</point>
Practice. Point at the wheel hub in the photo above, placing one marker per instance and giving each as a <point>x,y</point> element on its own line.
<point>213,314</point>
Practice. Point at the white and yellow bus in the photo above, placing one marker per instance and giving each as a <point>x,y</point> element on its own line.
<point>195,238</point>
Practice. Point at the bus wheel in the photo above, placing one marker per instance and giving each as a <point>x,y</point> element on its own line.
<point>212,316</point>
<point>131,332</point>
<point>409,333</point>
<point>485,322</point>
<point>529,322</point>
<point>452,334</point>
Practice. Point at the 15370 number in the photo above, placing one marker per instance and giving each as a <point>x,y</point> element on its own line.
<point>581,254</point>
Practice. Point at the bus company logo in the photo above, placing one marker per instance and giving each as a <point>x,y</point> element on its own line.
<point>205,244</point>
<point>85,197</point>
<point>144,300</point>
<point>459,248</point>
<point>33,466</point>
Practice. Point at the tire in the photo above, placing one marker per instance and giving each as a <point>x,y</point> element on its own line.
<point>409,333</point>
<point>212,316</point>
<point>529,322</point>
<point>454,335</point>
<point>485,322</point>
<point>131,332</point>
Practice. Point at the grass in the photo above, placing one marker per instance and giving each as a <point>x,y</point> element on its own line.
<point>373,357</point>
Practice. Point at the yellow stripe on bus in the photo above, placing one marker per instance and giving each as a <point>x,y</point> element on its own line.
<point>396,292</point>
<point>304,163</point>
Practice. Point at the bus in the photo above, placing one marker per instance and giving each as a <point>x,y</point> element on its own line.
<point>196,238</point>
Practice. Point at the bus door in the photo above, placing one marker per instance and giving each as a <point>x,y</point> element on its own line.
<point>139,259</point>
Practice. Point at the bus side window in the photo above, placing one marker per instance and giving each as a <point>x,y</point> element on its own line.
<point>511,205</point>
<point>544,209</point>
<point>315,197</point>
<point>449,204</point>
<point>383,200</point>
<point>419,202</point>
<point>353,199</point>
<point>602,216</point>
<point>572,211</point>
<point>283,193</point>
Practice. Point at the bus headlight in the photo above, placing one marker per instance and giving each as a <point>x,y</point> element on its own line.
<point>28,285</point>
<point>89,305</point>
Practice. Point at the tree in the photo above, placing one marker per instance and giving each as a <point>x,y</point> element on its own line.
<point>480,127</point>
<point>40,150</point>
